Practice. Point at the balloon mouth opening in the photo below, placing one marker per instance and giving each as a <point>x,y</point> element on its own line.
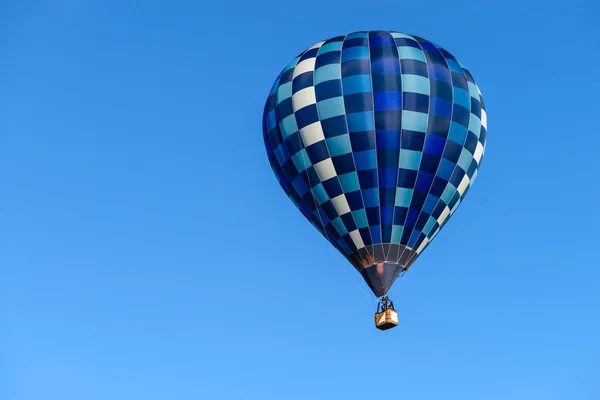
<point>381,276</point>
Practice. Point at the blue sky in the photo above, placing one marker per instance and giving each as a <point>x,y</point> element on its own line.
<point>147,251</point>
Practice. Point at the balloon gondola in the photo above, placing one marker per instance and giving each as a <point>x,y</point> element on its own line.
<point>376,137</point>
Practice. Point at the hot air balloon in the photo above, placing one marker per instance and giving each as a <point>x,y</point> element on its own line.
<point>376,137</point>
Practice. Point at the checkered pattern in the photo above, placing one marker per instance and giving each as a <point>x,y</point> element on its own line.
<point>376,137</point>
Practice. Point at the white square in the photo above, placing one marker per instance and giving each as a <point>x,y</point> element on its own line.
<point>483,118</point>
<point>444,215</point>
<point>463,184</point>
<point>422,246</point>
<point>303,98</point>
<point>325,170</point>
<point>341,205</point>
<point>357,239</point>
<point>318,45</point>
<point>478,152</point>
<point>307,65</point>
<point>312,134</point>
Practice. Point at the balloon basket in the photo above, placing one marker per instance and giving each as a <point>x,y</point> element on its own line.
<point>386,317</point>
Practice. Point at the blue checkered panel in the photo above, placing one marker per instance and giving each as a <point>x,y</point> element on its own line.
<point>376,137</point>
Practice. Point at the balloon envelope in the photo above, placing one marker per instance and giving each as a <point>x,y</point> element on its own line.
<point>376,137</point>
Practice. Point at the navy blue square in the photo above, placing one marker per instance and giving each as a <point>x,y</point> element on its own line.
<point>349,223</point>
<point>362,141</point>
<point>475,107</point>
<point>407,42</point>
<point>388,158</point>
<point>306,116</point>
<point>334,126</point>
<point>286,76</point>
<point>331,57</point>
<point>387,195</point>
<point>387,83</point>
<point>333,187</point>
<point>353,42</point>
<point>367,178</point>
<point>421,221</point>
<point>472,168</point>
<point>285,109</point>
<point>309,54</point>
<point>358,102</point>
<point>355,200</point>
<point>438,186</point>
<point>407,178</point>
<point>415,102</point>
<point>343,164</point>
<point>442,90</point>
<point>412,217</point>
<point>400,214</point>
<point>459,81</point>
<point>328,89</point>
<point>439,126</point>
<point>457,177</point>
<point>388,120</point>
<point>454,200</point>
<point>414,67</point>
<point>329,210</point>
<point>429,163</point>
<point>365,233</point>
<point>471,142</point>
<point>293,143</point>
<point>384,51</point>
<point>356,67</point>
<point>461,115</point>
<point>317,152</point>
<point>412,140</point>
<point>438,210</point>
<point>452,151</point>
<point>302,81</point>
<point>418,199</point>
<point>373,215</point>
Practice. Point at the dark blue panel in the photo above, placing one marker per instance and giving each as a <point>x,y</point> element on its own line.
<point>302,81</point>
<point>388,120</point>
<point>358,102</point>
<point>367,179</point>
<point>387,83</point>
<point>452,151</point>
<point>434,145</point>
<point>388,139</point>
<point>387,101</point>
<point>362,141</point>
<point>317,152</point>
<point>353,42</point>
<point>414,67</point>
<point>407,178</point>
<point>328,89</point>
<point>385,66</point>
<point>388,177</point>
<point>334,126</point>
<point>412,140</point>
<point>356,67</point>
<point>355,200</point>
<point>387,157</point>
<point>331,57</point>
<point>344,163</point>
<point>416,102</point>
<point>424,181</point>
<point>306,116</point>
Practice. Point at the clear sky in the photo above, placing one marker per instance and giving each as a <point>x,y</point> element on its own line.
<point>147,251</point>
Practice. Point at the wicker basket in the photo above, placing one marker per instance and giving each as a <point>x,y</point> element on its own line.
<point>386,319</point>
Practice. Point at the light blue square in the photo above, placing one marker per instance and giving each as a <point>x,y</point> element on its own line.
<point>411,53</point>
<point>332,46</point>
<point>414,121</point>
<point>300,160</point>
<point>473,90</point>
<point>465,159</point>
<point>339,226</point>
<point>448,193</point>
<point>410,159</point>
<point>355,53</point>
<point>284,92</point>
<point>415,84</point>
<point>328,72</point>
<point>454,66</point>
<point>288,126</point>
<point>397,233</point>
<point>330,108</point>
<point>475,125</point>
<point>349,182</point>
<point>320,194</point>
<point>339,145</point>
<point>360,216</point>
<point>429,225</point>
<point>403,197</point>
